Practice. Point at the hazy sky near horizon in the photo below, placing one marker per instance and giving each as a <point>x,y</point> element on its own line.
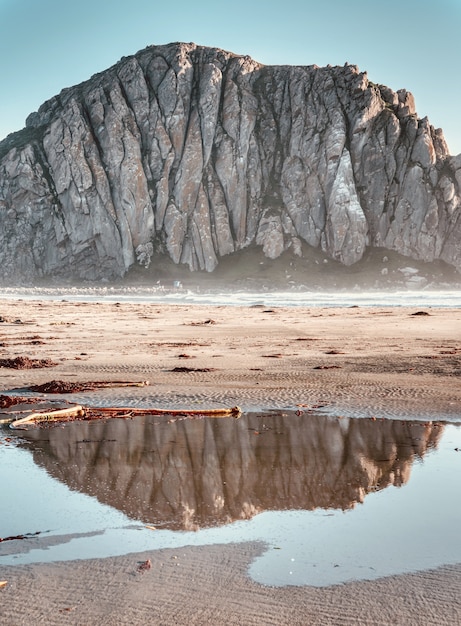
<point>47,45</point>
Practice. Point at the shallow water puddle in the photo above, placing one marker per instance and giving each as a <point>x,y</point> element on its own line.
<point>333,499</point>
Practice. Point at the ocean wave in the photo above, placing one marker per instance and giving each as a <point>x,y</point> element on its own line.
<point>447,298</point>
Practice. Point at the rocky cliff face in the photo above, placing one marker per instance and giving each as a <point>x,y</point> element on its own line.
<point>197,153</point>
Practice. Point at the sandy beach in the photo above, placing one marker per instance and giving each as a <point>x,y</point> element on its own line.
<point>391,362</point>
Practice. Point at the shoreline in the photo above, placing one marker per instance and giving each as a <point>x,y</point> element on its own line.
<point>205,586</point>
<point>377,362</point>
<point>447,296</point>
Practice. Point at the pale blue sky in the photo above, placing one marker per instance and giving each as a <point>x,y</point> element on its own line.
<point>46,45</point>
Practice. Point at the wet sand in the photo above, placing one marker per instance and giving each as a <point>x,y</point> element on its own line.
<point>385,362</point>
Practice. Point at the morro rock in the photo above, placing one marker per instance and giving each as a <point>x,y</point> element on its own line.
<point>197,153</point>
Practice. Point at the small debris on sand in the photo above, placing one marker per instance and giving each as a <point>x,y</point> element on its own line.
<point>183,368</point>
<point>144,566</point>
<point>25,363</point>
<point>205,323</point>
<point>62,386</point>
<point>7,401</point>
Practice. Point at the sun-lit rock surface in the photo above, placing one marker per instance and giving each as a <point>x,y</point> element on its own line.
<point>196,153</point>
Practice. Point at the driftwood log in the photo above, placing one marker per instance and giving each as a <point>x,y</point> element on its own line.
<point>78,412</point>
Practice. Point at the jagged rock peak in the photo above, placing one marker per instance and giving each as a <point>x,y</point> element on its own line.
<point>178,55</point>
<point>198,153</point>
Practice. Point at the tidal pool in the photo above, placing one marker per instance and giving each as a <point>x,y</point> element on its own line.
<point>333,499</point>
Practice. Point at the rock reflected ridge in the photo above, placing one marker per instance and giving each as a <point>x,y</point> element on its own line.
<point>191,474</point>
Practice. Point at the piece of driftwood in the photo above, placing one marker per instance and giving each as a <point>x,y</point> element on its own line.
<point>219,412</point>
<point>12,408</point>
<point>49,416</point>
<point>78,412</point>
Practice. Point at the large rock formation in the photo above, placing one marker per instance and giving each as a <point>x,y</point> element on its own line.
<point>198,153</point>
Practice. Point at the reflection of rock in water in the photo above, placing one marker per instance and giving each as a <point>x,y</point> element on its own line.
<point>196,473</point>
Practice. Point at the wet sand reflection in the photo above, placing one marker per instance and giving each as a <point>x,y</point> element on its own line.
<point>198,473</point>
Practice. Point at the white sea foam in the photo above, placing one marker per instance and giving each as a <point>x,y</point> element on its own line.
<point>292,298</point>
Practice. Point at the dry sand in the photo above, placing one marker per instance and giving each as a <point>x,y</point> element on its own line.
<point>385,362</point>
